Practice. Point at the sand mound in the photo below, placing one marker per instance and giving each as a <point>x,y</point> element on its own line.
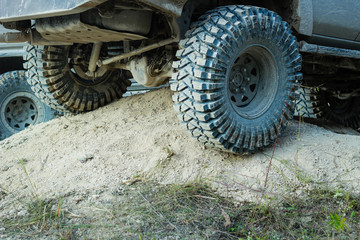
<point>141,136</point>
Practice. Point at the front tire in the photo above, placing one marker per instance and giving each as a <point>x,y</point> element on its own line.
<point>236,78</point>
<point>19,107</point>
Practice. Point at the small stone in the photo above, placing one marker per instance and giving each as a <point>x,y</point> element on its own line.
<point>77,199</point>
<point>54,207</point>
<point>22,213</point>
<point>12,211</point>
<point>118,191</point>
<point>86,158</point>
<point>94,197</point>
<point>5,168</point>
<point>82,159</point>
<point>299,192</point>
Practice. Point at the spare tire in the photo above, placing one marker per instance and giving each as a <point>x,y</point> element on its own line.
<point>19,107</point>
<point>236,78</point>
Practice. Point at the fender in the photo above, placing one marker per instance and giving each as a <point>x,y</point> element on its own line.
<point>304,17</point>
<point>170,7</point>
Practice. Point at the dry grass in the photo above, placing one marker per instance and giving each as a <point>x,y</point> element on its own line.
<point>146,210</point>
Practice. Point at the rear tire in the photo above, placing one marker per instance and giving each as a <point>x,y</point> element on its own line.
<point>346,112</point>
<point>236,78</point>
<point>304,104</point>
<point>57,74</point>
<point>19,107</point>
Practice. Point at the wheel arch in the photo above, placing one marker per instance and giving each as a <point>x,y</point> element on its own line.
<point>298,13</point>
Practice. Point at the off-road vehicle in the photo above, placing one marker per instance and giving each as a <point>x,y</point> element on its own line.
<point>236,63</point>
<point>19,106</point>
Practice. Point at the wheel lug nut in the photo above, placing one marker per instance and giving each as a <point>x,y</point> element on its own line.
<point>244,70</point>
<point>248,79</point>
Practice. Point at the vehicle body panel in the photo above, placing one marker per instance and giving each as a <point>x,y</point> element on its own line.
<point>323,20</point>
<point>15,10</point>
<point>171,7</point>
<point>337,18</point>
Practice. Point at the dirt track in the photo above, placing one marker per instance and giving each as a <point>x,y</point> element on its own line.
<point>141,136</point>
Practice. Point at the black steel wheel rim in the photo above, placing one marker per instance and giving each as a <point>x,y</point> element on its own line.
<point>251,88</point>
<point>20,112</point>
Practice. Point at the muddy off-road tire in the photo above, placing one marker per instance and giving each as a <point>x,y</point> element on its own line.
<point>304,104</point>
<point>57,74</point>
<point>237,74</point>
<point>19,107</point>
<point>346,112</point>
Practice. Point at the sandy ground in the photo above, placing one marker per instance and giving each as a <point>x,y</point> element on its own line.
<point>140,136</point>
